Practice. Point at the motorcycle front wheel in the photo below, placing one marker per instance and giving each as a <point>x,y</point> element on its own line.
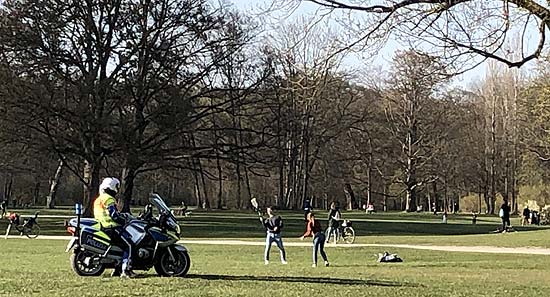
<point>178,266</point>
<point>80,267</point>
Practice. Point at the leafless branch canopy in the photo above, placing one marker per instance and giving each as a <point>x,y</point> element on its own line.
<point>457,29</point>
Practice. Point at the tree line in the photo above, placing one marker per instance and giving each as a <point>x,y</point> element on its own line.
<point>198,102</point>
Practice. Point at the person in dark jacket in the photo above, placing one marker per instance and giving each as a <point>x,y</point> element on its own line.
<point>307,208</point>
<point>314,228</point>
<point>273,225</point>
<point>525,216</point>
<point>505,215</point>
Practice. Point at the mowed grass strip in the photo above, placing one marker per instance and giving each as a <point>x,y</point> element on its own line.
<point>41,268</point>
<point>378,228</point>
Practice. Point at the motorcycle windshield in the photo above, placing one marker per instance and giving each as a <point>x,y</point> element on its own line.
<point>157,201</point>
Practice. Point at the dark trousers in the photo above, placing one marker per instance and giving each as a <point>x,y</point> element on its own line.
<point>505,223</point>
<point>319,245</point>
<point>116,235</point>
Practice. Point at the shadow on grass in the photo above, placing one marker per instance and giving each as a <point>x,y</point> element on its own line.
<point>299,279</point>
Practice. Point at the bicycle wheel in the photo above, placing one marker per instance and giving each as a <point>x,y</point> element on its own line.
<point>348,235</point>
<point>32,231</point>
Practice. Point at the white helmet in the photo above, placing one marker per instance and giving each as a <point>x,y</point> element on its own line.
<point>110,183</point>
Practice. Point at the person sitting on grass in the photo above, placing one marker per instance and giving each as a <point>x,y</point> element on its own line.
<point>314,228</point>
<point>273,225</point>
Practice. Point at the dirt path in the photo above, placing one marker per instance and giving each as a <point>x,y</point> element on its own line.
<point>464,249</point>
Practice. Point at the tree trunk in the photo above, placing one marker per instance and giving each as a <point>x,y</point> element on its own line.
<point>305,172</point>
<point>410,181</point>
<point>281,156</point>
<point>36,193</point>
<point>486,198</point>
<point>492,197</point>
<point>386,190</point>
<point>280,197</point>
<point>247,181</point>
<point>220,184</point>
<point>445,198</point>
<point>350,196</point>
<point>479,197</point>
<point>197,187</point>
<point>436,199</point>
<point>290,174</point>
<point>239,190</point>
<point>91,187</point>
<point>515,146</point>
<point>7,188</point>
<point>429,198</point>
<point>410,201</point>
<point>369,173</point>
<point>206,201</point>
<point>127,188</point>
<point>54,185</point>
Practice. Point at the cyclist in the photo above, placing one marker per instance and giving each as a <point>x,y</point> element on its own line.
<point>334,216</point>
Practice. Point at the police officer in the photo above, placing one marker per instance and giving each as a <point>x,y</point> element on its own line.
<point>105,211</point>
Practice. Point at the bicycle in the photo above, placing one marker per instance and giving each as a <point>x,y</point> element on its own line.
<point>345,232</point>
<point>29,228</point>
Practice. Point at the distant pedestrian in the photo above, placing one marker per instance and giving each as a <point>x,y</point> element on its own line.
<point>307,208</point>
<point>183,209</point>
<point>504,214</point>
<point>474,218</point>
<point>3,208</point>
<point>525,216</point>
<point>14,219</point>
<point>274,226</point>
<point>314,228</point>
<point>334,216</point>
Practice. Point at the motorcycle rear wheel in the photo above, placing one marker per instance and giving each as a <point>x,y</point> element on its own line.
<point>79,266</point>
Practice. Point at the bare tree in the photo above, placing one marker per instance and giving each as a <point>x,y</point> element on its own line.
<point>458,30</point>
<point>412,85</point>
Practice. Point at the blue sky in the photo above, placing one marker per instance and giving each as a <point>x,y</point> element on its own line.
<point>383,57</point>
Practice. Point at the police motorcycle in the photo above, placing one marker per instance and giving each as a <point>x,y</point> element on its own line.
<point>154,243</point>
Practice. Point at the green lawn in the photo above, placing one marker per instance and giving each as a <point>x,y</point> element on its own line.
<point>41,268</point>
<point>379,228</point>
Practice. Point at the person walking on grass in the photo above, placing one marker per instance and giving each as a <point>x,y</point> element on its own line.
<point>504,214</point>
<point>314,228</point>
<point>273,225</point>
<point>525,216</point>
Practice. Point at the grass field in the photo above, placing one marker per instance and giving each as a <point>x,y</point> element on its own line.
<point>379,228</point>
<point>41,268</point>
